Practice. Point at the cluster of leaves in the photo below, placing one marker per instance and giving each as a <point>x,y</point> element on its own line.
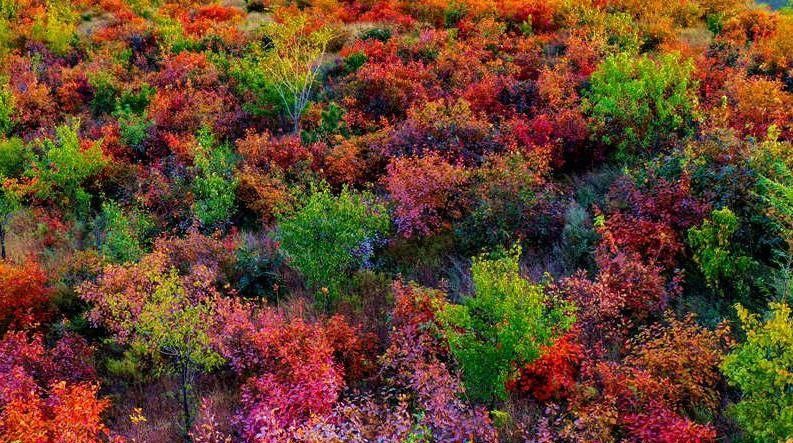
<point>760,367</point>
<point>294,369</point>
<point>502,325</point>
<point>49,394</point>
<point>638,103</point>
<point>332,235</point>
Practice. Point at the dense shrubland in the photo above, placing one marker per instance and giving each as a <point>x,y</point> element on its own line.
<point>393,220</point>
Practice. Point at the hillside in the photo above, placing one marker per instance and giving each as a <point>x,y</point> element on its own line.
<point>267,221</point>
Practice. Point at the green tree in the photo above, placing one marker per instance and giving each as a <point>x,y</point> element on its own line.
<point>722,264</point>
<point>14,158</point>
<point>159,314</point>
<point>637,103</point>
<point>63,166</point>
<point>291,58</point>
<point>762,368</point>
<point>325,238</point>
<point>6,109</point>
<point>214,185</point>
<point>503,325</point>
<point>120,242</point>
<point>175,326</point>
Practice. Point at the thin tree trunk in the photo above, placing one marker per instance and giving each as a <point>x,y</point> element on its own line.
<point>296,124</point>
<point>2,241</point>
<point>185,402</point>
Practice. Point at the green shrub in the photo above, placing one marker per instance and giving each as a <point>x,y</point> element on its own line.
<point>214,185</point>
<point>252,80</point>
<point>133,127</point>
<point>64,166</point>
<point>577,243</point>
<point>121,243</point>
<point>722,264</point>
<point>8,9</point>
<point>258,268</point>
<point>502,326</point>
<point>354,61</point>
<point>638,104</point>
<point>762,368</point>
<point>136,100</point>
<point>382,34</point>
<point>328,237</point>
<point>14,157</point>
<point>331,123</point>
<point>105,94</point>
<point>6,109</point>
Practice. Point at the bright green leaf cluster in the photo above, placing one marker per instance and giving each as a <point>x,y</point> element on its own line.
<point>762,368</point>
<point>6,108</point>
<point>171,323</point>
<point>14,157</point>
<point>321,239</point>
<point>715,255</point>
<point>121,243</point>
<point>637,103</point>
<point>502,326</point>
<point>214,186</point>
<point>64,166</point>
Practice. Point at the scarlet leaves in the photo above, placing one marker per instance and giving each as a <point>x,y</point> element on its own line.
<point>25,293</point>
<point>49,394</point>
<point>553,374</point>
<point>294,369</point>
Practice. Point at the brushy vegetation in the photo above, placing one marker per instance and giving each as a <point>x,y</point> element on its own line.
<point>396,221</point>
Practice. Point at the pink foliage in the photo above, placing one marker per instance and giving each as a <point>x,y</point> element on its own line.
<point>427,193</point>
<point>295,369</point>
<point>660,425</point>
<point>415,356</point>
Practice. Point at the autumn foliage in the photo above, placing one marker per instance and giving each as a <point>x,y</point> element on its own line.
<point>396,221</point>
<point>25,293</point>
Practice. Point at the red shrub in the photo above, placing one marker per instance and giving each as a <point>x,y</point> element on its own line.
<point>662,200</point>
<point>385,86</point>
<point>262,150</point>
<point>660,425</point>
<point>344,164</point>
<point>553,374</point>
<point>296,369</point>
<point>24,294</point>
<point>187,69</point>
<point>48,395</point>
<point>637,287</point>
<point>757,104</point>
<point>68,413</point>
<point>34,107</point>
<point>686,355</point>
<point>427,193</point>
<point>655,242</point>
